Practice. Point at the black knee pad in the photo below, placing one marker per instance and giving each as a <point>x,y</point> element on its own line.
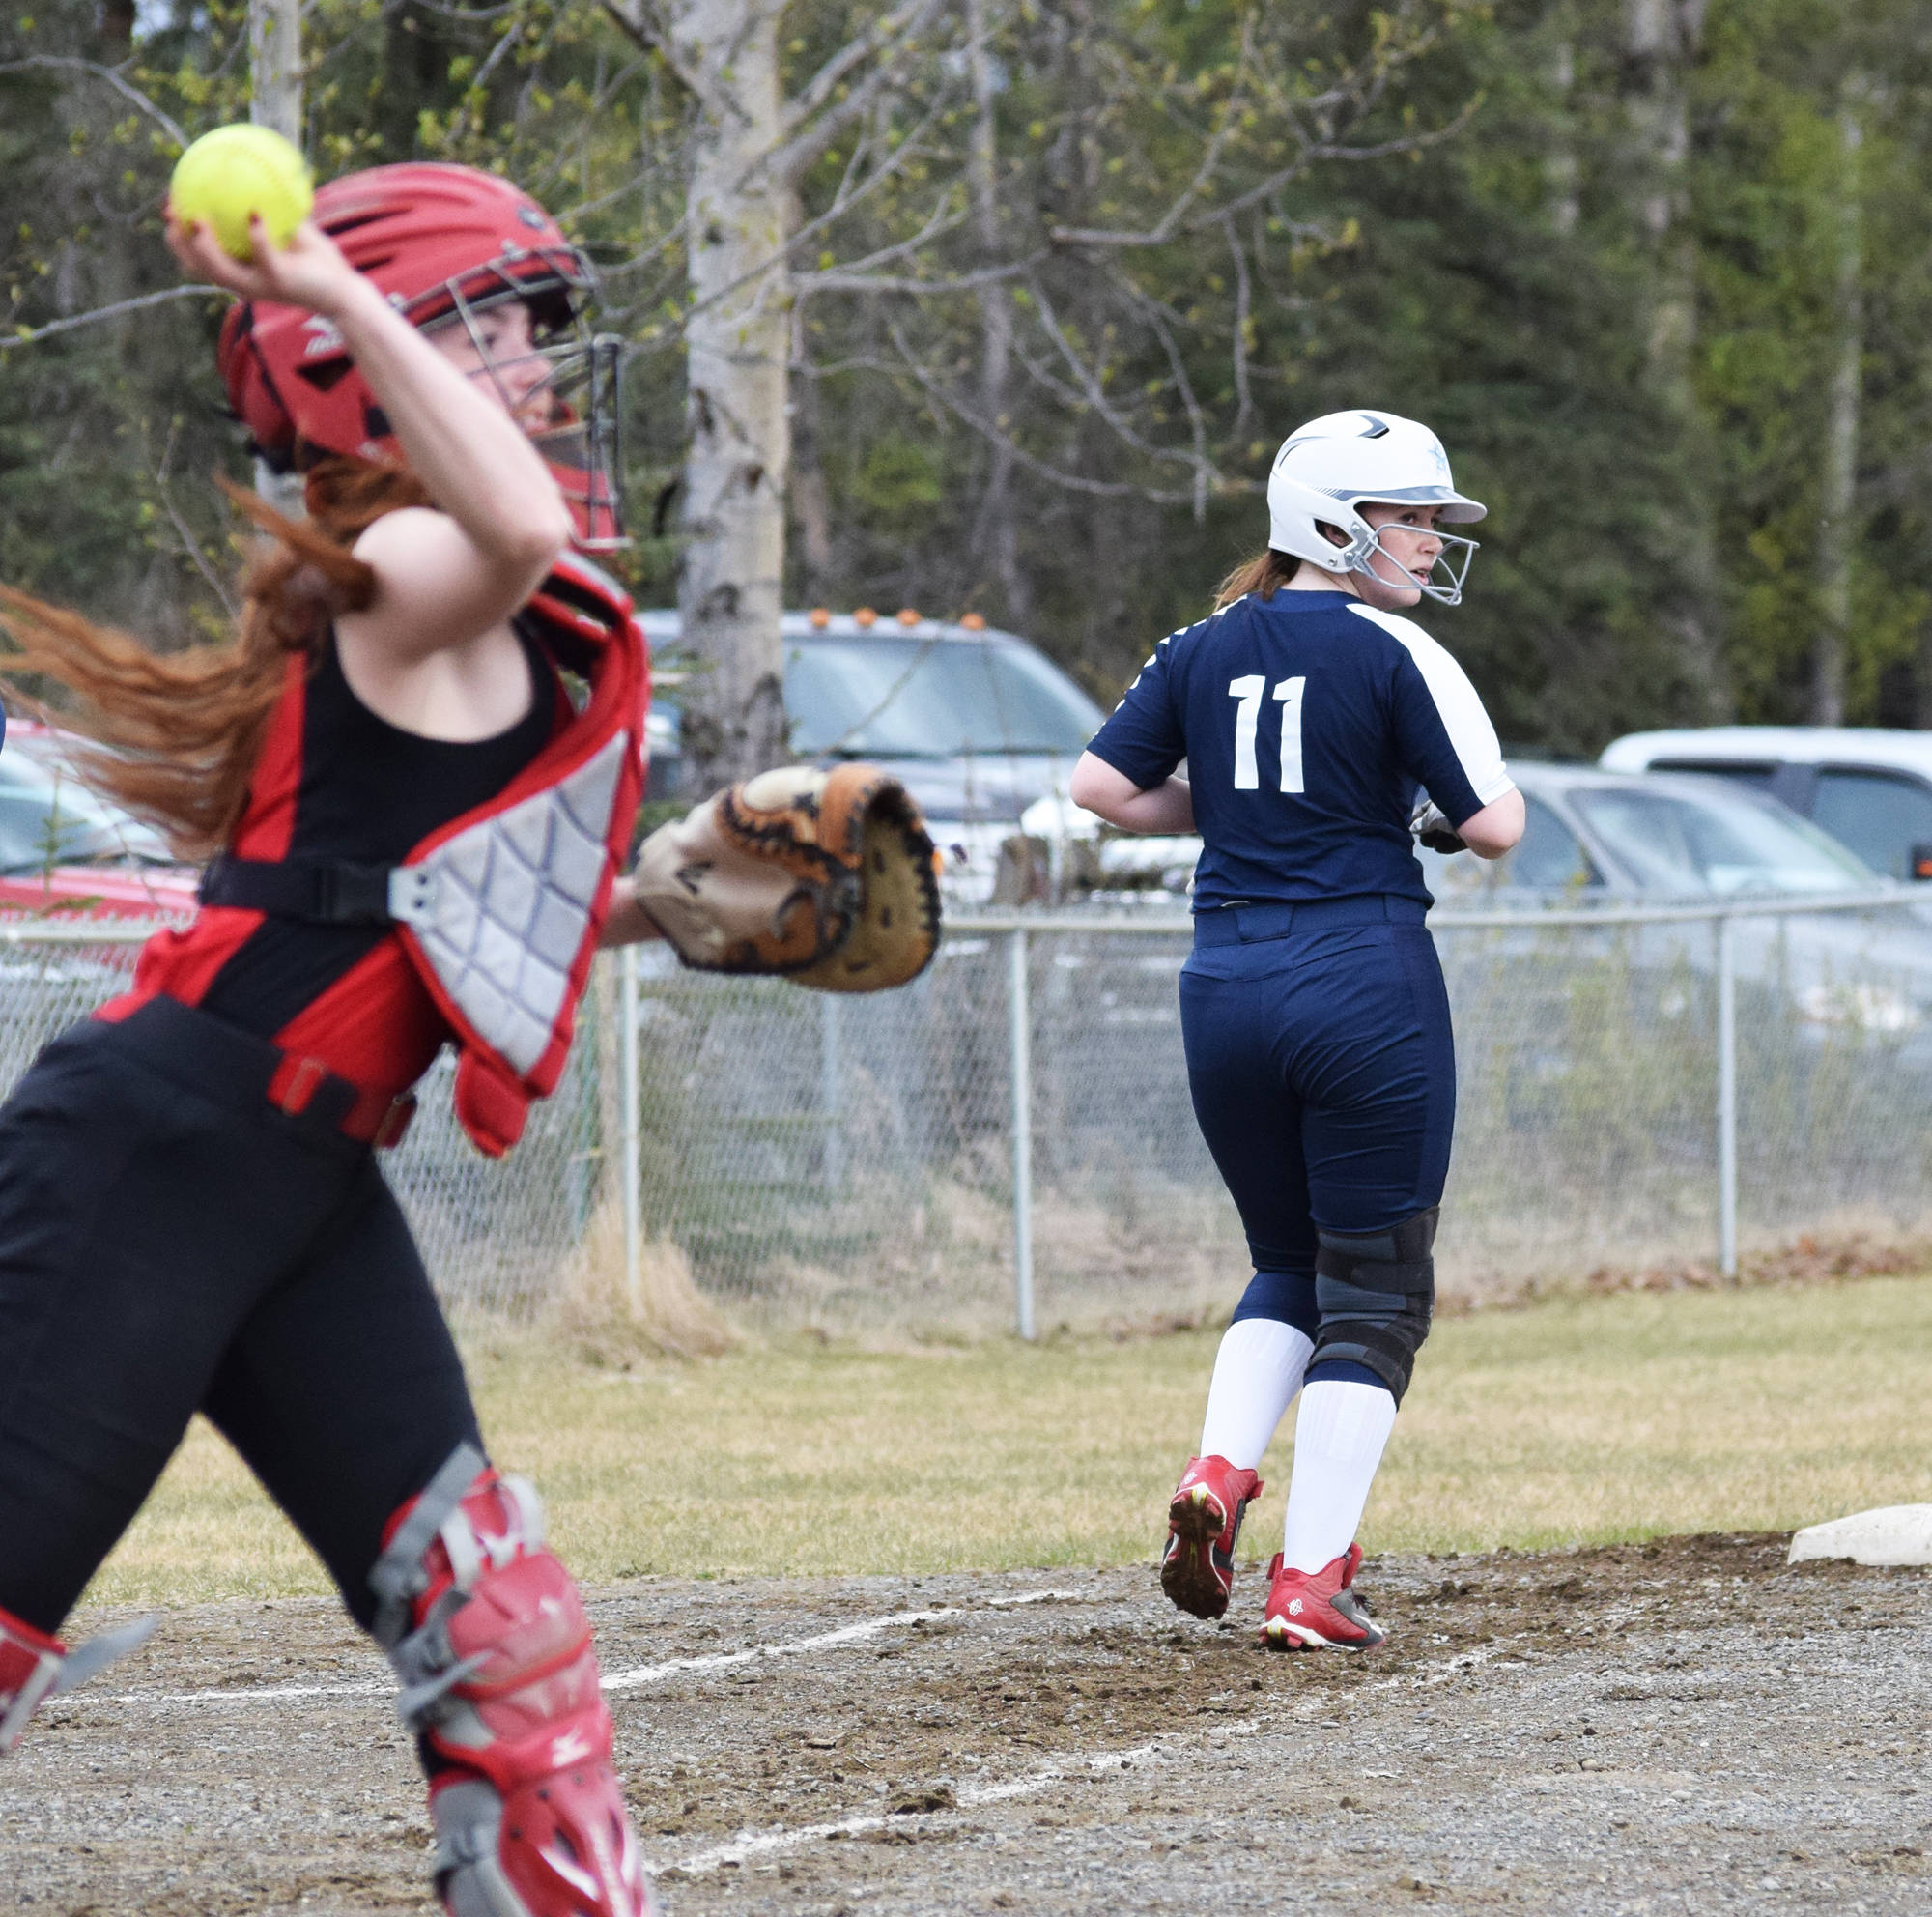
<point>1376,1292</point>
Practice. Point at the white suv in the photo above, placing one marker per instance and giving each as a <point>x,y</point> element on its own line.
<point>1870,789</point>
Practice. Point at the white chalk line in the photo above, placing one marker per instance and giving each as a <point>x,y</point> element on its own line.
<point>621,1680</point>
<point>847,1634</point>
<point>748,1845</point>
<point>972,1797</point>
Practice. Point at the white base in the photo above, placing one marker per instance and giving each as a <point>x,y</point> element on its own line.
<point>1897,1534</point>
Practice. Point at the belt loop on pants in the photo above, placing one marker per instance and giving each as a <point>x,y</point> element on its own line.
<point>295,1082</point>
<point>299,1084</point>
<point>244,1071</point>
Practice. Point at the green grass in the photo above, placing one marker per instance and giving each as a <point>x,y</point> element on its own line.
<point>1576,1420</point>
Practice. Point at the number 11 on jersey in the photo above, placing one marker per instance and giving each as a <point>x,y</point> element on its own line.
<point>1248,691</point>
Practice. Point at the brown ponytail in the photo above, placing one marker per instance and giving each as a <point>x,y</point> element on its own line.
<point>175,738</point>
<point>1265,573</point>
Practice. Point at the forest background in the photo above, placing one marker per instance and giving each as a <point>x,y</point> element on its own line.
<point>1020,295</point>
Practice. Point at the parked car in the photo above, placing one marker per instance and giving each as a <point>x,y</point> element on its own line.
<point>1869,788</point>
<point>1597,836</point>
<point>1598,833</point>
<point>977,722</point>
<point>64,849</point>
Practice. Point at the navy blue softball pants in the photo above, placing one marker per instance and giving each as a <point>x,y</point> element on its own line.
<point>1324,1074</point>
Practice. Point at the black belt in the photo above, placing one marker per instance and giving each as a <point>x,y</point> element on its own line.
<point>322,892</point>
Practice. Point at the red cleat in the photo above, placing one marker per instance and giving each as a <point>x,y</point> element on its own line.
<point>1204,1519</point>
<point>1316,1610</point>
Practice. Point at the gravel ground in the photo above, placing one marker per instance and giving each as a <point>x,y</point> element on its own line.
<point>1685,1726</point>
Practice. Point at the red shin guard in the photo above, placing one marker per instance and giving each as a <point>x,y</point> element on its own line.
<point>30,1668</point>
<point>486,1633</point>
<point>34,1666</point>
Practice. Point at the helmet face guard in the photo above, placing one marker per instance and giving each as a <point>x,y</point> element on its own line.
<point>1447,571</point>
<point>574,413</point>
<point>444,244</point>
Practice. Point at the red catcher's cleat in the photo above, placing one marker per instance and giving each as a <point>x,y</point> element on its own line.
<point>1204,1519</point>
<point>1316,1610</point>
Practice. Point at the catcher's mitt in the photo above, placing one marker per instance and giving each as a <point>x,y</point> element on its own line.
<point>825,877</point>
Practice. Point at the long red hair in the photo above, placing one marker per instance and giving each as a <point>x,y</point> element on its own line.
<point>174,738</point>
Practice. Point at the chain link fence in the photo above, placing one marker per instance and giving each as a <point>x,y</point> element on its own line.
<point>1635,1086</point>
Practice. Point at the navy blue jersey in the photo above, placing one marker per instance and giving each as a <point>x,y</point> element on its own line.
<point>1307,720</point>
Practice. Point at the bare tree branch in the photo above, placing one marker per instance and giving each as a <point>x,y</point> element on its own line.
<point>479,14</point>
<point>939,224</point>
<point>351,39</point>
<point>1211,159</point>
<point>791,161</point>
<point>1095,395</point>
<point>209,576</point>
<point>908,149</point>
<point>1243,309</point>
<point>121,85</point>
<point>1312,153</point>
<point>1310,120</point>
<point>570,155</point>
<point>840,280</point>
<point>820,88</point>
<point>26,337</point>
<point>648,34</point>
<point>1163,331</point>
<point>857,159</point>
<point>1073,482</point>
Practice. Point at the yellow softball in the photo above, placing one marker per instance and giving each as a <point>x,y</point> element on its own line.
<point>233,172</point>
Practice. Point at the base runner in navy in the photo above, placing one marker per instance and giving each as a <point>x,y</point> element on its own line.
<point>1322,732</point>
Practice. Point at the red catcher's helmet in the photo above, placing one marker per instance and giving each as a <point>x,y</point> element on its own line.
<point>444,243</point>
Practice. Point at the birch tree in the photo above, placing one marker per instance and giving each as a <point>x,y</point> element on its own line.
<point>995,537</point>
<point>749,146</point>
<point>275,101</point>
<point>275,66</point>
<point>1661,45</point>
<point>1841,427</point>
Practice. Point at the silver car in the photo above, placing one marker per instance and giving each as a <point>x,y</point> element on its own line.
<point>1869,787</point>
<point>1603,838</point>
<point>1593,835</point>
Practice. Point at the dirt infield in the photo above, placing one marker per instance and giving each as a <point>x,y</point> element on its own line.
<point>1687,1725</point>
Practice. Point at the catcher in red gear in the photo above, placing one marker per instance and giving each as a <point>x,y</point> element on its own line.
<point>191,1216</point>
<point>413,772</point>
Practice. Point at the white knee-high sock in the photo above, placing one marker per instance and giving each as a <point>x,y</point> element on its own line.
<point>1339,1438</point>
<point>1257,1373</point>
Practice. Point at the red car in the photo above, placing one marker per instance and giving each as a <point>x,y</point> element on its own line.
<point>67,852</point>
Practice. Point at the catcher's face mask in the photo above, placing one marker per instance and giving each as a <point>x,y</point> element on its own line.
<point>558,381</point>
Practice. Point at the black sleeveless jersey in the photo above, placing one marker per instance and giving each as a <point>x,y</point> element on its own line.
<point>369,793</point>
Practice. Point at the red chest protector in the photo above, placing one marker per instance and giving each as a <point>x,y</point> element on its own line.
<point>499,911</point>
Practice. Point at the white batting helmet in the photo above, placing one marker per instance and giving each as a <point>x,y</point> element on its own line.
<point>1328,467</point>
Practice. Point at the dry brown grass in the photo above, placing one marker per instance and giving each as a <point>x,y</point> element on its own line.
<point>600,1323</point>
<point>1578,1418</point>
